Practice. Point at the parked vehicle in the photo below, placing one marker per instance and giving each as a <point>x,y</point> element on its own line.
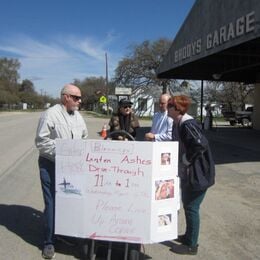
<point>240,117</point>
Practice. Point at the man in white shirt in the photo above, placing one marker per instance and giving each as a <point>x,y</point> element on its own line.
<point>162,124</point>
<point>60,121</point>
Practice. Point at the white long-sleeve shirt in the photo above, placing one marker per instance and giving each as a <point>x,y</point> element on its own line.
<point>162,126</point>
<point>55,123</point>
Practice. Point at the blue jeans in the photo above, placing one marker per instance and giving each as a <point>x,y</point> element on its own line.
<point>47,175</point>
<point>191,203</point>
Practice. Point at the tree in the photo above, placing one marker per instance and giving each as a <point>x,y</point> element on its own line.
<point>232,95</point>
<point>8,81</point>
<point>91,89</point>
<point>138,69</point>
<point>27,87</point>
<point>8,98</point>
<point>11,92</point>
<point>9,70</point>
<point>27,93</point>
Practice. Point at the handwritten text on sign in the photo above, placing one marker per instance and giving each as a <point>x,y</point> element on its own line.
<point>106,190</point>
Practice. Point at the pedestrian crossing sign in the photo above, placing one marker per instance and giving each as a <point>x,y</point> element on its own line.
<point>103,99</point>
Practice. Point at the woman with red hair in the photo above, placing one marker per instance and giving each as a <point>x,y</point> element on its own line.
<point>196,170</point>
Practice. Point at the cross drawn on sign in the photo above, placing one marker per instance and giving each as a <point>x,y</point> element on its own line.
<point>103,99</point>
<point>64,183</point>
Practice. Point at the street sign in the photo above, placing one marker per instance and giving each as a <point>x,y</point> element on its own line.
<point>103,99</point>
<point>123,91</point>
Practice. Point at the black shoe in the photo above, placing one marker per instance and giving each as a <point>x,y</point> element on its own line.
<point>48,252</point>
<point>181,239</point>
<point>185,250</point>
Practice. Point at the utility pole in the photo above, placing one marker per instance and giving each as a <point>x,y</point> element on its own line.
<point>107,83</point>
<point>164,89</point>
<point>201,104</point>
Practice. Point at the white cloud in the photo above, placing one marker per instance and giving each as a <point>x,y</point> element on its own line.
<point>88,47</point>
<point>58,61</point>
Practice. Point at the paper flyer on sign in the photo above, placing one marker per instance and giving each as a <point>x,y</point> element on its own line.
<point>116,191</point>
<point>165,186</point>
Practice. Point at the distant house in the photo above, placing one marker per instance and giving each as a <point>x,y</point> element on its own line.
<point>47,105</point>
<point>146,103</point>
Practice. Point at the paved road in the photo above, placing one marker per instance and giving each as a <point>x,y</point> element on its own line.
<point>230,213</point>
<point>21,203</point>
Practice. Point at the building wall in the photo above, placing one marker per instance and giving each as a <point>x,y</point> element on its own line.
<point>149,105</point>
<point>256,113</point>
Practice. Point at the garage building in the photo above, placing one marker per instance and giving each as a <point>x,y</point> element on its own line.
<point>218,41</point>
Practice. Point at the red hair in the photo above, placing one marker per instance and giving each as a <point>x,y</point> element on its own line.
<point>181,103</point>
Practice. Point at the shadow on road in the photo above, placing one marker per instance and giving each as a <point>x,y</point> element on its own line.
<point>24,221</point>
<point>28,223</point>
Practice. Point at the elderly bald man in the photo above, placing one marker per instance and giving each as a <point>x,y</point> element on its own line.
<point>162,124</point>
<point>60,121</point>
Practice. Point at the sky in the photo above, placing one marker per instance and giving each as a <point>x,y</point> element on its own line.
<point>57,41</point>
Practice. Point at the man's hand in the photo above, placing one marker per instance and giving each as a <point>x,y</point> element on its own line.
<point>149,137</point>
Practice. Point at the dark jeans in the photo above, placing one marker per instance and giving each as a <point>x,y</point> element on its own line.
<point>191,203</point>
<point>47,175</point>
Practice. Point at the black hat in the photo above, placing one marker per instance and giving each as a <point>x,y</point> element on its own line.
<point>125,102</point>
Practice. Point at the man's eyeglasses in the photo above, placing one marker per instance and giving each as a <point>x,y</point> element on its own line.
<point>75,98</point>
<point>126,106</point>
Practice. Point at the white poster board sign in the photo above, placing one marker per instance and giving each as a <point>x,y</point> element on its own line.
<point>117,191</point>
